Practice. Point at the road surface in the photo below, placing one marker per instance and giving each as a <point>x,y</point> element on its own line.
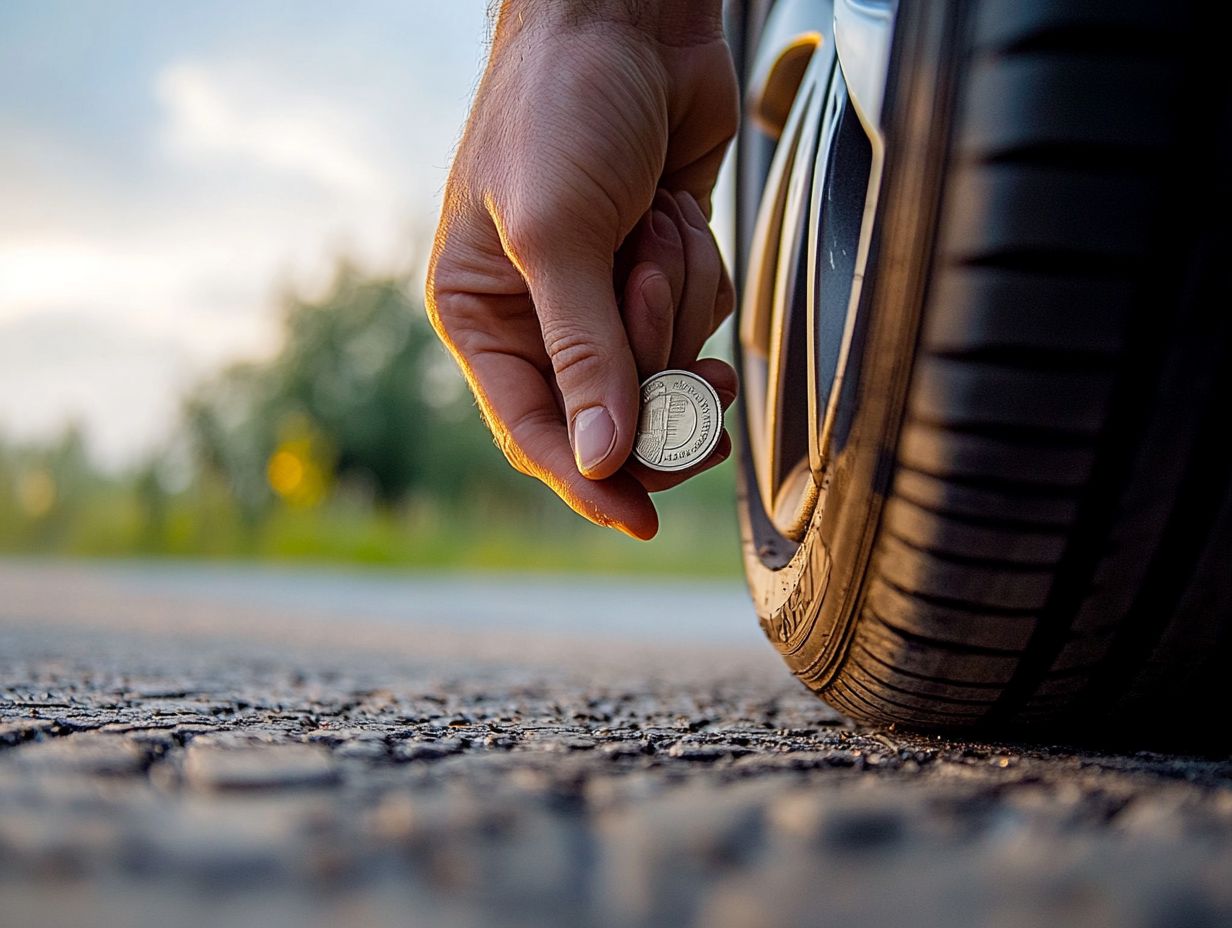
<point>216,746</point>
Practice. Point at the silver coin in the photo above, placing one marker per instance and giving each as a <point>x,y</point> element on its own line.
<point>680,422</point>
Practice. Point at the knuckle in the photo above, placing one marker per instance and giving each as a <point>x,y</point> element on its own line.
<point>558,216</point>
<point>444,320</point>
<point>454,316</point>
<point>438,299</point>
<point>573,352</point>
<point>533,228</point>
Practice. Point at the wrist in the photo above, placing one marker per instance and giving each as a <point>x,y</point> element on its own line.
<point>671,22</point>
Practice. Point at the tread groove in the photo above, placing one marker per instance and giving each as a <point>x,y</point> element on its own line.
<point>1005,433</point>
<point>996,484</point>
<point>964,560</point>
<point>942,681</point>
<point>950,647</point>
<point>1078,157</point>
<point>960,605</point>
<point>966,717</point>
<point>1055,262</point>
<point>928,697</point>
<point>1021,526</point>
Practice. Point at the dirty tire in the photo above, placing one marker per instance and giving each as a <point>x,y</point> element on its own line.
<point>1029,528</point>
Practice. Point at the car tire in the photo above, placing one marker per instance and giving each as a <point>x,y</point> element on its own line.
<point>1016,516</point>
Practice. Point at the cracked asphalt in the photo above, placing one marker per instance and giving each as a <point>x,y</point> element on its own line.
<point>169,755</point>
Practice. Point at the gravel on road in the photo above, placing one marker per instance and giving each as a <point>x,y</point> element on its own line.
<point>232,766</point>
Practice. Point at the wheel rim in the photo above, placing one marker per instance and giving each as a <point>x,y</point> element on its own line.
<point>814,100</point>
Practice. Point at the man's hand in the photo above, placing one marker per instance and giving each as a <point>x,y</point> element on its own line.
<point>587,108</point>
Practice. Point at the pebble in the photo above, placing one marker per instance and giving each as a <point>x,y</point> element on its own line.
<point>339,789</point>
<point>212,767</point>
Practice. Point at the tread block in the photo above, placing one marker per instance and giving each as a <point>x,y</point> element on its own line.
<point>1004,24</point>
<point>923,687</point>
<point>1051,217</point>
<point>1056,507</point>
<point>962,393</point>
<point>936,621</point>
<point>978,309</point>
<point>923,529</point>
<point>990,588</point>
<point>919,658</point>
<point>956,455</point>
<point>1118,110</point>
<point>879,679</point>
<point>879,703</point>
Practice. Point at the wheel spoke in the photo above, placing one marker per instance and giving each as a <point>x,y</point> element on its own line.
<point>759,306</point>
<point>758,297</point>
<point>863,31</point>
<point>794,30</point>
<point>820,337</point>
<point>787,368</point>
<point>798,317</point>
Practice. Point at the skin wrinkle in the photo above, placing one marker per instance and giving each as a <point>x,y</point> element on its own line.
<point>568,348</point>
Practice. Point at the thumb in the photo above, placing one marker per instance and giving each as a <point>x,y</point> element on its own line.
<point>588,347</point>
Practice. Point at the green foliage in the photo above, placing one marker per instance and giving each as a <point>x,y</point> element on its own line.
<point>363,388</point>
<point>357,442</point>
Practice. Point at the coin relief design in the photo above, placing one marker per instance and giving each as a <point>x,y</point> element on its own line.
<point>680,422</point>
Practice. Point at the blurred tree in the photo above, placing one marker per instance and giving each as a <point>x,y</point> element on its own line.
<point>361,395</point>
<point>41,488</point>
<point>357,441</point>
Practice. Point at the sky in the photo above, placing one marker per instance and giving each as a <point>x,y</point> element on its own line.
<point>168,169</point>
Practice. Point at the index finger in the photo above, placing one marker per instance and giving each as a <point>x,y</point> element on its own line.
<point>521,410</point>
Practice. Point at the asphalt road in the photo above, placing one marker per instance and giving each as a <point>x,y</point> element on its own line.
<point>216,746</point>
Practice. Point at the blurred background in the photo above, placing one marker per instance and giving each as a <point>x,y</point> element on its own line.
<point>212,340</point>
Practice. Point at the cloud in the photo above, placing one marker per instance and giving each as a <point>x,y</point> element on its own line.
<point>50,272</point>
<point>68,367</point>
<point>213,113</point>
<point>155,205</point>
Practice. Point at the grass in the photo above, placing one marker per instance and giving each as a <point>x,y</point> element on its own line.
<point>698,535</point>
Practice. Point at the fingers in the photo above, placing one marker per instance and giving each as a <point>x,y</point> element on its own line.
<point>653,287</point>
<point>696,312</point>
<point>649,313</point>
<point>657,481</point>
<point>665,244</point>
<point>673,243</point>
<point>693,215</point>
<point>722,377</point>
<point>521,409</point>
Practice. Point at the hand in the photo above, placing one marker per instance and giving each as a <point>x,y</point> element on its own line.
<point>579,119</point>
